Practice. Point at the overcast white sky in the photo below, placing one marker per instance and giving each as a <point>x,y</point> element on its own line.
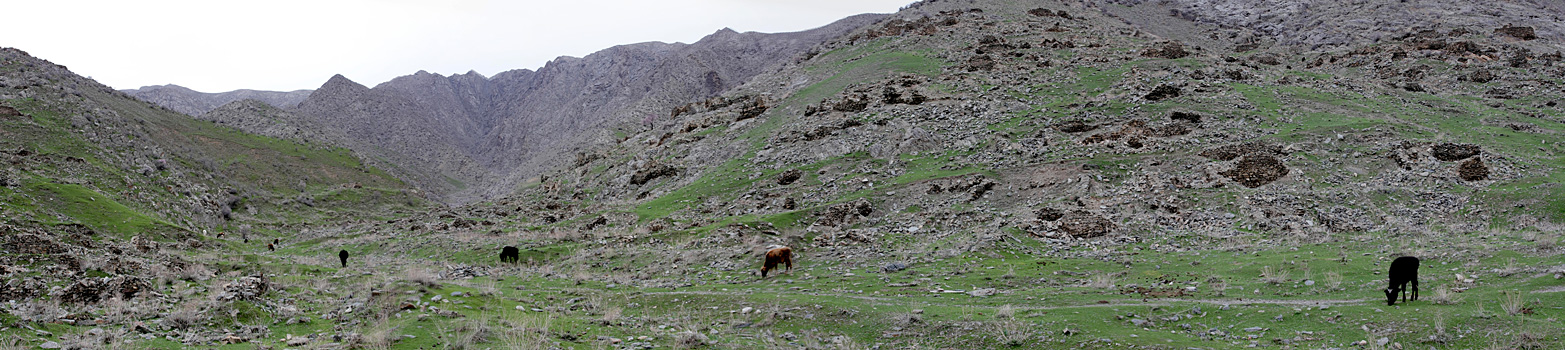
<point>222,45</point>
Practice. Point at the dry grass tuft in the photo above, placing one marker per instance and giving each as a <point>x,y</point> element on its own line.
<point>690,340</point>
<point>1100,281</point>
<point>1514,303</point>
<point>1005,312</point>
<point>1273,275</point>
<point>1445,296</point>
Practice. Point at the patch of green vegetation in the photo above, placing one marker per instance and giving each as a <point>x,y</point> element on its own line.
<point>721,180</point>
<point>91,208</point>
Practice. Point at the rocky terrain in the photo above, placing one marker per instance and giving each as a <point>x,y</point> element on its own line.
<point>960,174</point>
<point>191,102</point>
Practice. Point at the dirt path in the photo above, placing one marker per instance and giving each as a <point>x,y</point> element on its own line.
<point>1144,302</point>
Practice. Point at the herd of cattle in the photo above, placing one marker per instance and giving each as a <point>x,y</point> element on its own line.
<point>1404,270</point>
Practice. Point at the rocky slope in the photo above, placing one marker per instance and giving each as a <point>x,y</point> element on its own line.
<point>103,196</point>
<point>191,102</point>
<point>1316,25</point>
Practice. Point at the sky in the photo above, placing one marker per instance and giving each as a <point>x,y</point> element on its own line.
<point>224,45</point>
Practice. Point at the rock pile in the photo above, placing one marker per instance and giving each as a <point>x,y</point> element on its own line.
<point>1255,170</point>
<point>652,171</point>
<point>245,288</point>
<point>1084,224</point>
<point>1453,152</point>
<point>1473,170</point>
<point>1167,49</point>
<point>845,213</point>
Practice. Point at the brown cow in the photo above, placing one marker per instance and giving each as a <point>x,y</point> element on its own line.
<point>777,254</point>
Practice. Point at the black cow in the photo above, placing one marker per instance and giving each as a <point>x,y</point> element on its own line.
<point>510,254</point>
<point>344,256</point>
<point>1403,270</point>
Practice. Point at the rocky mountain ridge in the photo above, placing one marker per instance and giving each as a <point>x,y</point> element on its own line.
<point>191,102</point>
<point>469,137</point>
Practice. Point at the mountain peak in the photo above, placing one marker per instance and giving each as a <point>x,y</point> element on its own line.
<point>341,82</point>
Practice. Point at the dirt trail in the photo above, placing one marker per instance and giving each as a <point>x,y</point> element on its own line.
<point>1143,302</point>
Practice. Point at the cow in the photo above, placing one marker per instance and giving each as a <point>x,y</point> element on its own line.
<point>1403,270</point>
<point>509,254</point>
<point>343,255</point>
<point>777,255</point>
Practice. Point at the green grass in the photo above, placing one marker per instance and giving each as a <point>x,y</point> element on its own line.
<point>91,208</point>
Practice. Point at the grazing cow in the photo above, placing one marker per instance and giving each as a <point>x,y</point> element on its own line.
<point>775,255</point>
<point>1403,270</point>
<point>271,247</point>
<point>509,254</point>
<point>343,255</point>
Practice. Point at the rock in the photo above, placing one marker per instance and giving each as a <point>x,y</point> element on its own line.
<point>291,340</point>
<point>894,267</point>
<point>788,177</point>
<point>49,345</point>
<point>1139,322</point>
<point>652,171</point>
<point>1254,329</point>
<point>1309,282</point>
<point>1382,341</point>
<point>1519,32</point>
<point>746,310</point>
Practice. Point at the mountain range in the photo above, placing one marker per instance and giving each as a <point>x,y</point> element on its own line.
<point>468,137</point>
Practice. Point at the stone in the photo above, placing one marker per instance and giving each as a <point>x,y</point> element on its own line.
<point>50,345</point>
<point>983,292</point>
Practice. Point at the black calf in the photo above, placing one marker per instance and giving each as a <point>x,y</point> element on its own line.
<point>1403,270</point>
<point>343,255</point>
<point>510,254</point>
